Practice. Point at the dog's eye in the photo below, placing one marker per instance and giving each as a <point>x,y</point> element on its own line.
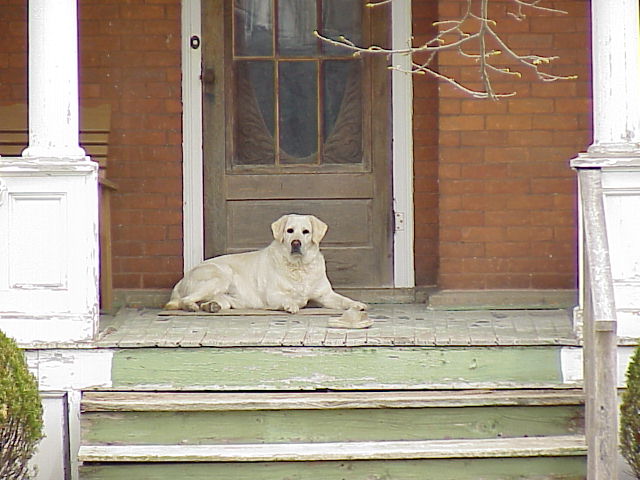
<point>289,230</point>
<point>305,232</point>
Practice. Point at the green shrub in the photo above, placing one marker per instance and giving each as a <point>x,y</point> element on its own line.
<point>630,416</point>
<point>20,412</point>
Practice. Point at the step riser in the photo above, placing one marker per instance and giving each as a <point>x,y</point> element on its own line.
<point>140,428</point>
<point>552,468</point>
<point>359,368</point>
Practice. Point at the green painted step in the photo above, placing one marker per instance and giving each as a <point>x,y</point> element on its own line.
<point>339,368</point>
<point>135,418</point>
<point>530,468</point>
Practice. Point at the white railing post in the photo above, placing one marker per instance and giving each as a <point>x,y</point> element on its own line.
<point>600,340</point>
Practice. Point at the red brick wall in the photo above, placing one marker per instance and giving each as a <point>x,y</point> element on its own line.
<point>130,58</point>
<point>425,153</point>
<point>507,195</point>
<point>13,51</point>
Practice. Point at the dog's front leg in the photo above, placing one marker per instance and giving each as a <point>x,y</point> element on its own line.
<point>339,302</point>
<point>283,302</point>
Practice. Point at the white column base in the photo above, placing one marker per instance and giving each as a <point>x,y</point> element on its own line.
<point>621,188</point>
<point>48,250</point>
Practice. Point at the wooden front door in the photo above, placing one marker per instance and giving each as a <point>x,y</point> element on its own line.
<point>295,125</point>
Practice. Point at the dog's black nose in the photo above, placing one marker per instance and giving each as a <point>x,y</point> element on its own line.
<point>295,246</point>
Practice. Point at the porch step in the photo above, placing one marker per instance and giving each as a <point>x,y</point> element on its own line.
<point>556,446</point>
<point>135,418</point>
<point>339,368</point>
<point>95,401</point>
<point>329,435</point>
<point>559,458</point>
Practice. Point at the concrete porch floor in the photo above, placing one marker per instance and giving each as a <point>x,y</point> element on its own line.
<point>393,325</point>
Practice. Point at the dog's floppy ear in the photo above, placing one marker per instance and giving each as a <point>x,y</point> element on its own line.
<point>319,229</point>
<point>277,227</point>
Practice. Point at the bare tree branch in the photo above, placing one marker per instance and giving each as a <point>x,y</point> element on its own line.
<point>474,45</point>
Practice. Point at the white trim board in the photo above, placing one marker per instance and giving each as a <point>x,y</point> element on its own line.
<point>402,108</point>
<point>402,114</point>
<point>192,158</point>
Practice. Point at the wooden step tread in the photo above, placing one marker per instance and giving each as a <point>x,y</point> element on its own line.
<point>177,401</point>
<point>566,445</point>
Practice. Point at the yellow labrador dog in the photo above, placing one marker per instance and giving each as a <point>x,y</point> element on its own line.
<point>286,275</point>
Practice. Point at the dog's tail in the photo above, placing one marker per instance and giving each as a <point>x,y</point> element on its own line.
<point>174,303</point>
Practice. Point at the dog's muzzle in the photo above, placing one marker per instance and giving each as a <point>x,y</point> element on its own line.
<point>296,246</point>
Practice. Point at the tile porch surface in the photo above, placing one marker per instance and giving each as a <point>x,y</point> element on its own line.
<point>393,325</point>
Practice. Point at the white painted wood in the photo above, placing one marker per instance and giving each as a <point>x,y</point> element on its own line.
<point>571,363</point>
<point>51,459</point>
<point>621,187</point>
<point>568,445</point>
<point>193,196</point>
<point>49,204</point>
<point>402,114</point>
<point>71,369</point>
<point>49,250</point>
<point>616,76</point>
<point>75,440</point>
<point>53,80</point>
<point>629,326</point>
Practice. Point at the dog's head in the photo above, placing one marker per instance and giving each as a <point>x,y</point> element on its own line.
<point>299,232</point>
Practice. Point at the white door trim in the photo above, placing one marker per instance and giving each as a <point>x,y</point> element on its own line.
<point>402,108</point>
<point>402,114</point>
<point>192,158</point>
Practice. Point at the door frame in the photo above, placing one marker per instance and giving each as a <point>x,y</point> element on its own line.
<point>402,150</point>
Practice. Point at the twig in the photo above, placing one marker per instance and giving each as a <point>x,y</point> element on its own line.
<point>452,37</point>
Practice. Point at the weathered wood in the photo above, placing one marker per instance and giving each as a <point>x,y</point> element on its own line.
<point>335,425</point>
<point>244,312</point>
<point>323,186</point>
<point>177,401</point>
<point>398,324</point>
<point>548,468</point>
<point>565,445</point>
<point>357,368</point>
<point>600,336</point>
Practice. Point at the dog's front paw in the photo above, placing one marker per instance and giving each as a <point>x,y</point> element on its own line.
<point>358,306</point>
<point>190,306</point>
<point>291,308</point>
<point>211,307</point>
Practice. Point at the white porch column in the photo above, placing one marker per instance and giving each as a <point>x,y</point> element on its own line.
<point>616,152</point>
<point>616,146</point>
<point>616,77</point>
<point>49,198</point>
<point>53,79</point>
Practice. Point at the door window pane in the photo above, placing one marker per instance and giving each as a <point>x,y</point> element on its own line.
<point>254,113</point>
<point>341,18</point>
<point>298,108</point>
<point>297,100</point>
<point>296,23</point>
<point>342,119</point>
<point>253,29</point>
